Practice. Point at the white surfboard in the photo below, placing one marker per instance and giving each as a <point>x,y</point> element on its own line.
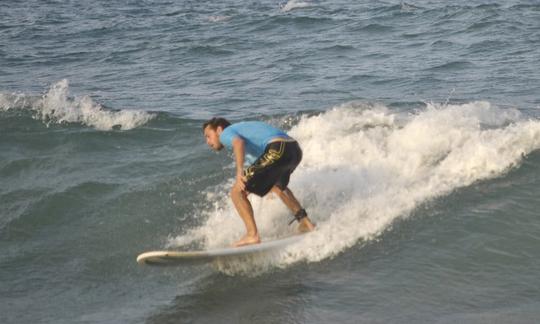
<point>171,257</point>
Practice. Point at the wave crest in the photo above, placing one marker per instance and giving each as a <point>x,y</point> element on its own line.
<point>57,107</point>
<point>294,4</point>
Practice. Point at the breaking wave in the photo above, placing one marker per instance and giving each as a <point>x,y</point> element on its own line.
<point>364,167</point>
<point>57,107</point>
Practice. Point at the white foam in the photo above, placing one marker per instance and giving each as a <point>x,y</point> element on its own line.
<point>365,166</point>
<point>406,7</point>
<point>218,18</point>
<point>56,106</point>
<point>294,4</point>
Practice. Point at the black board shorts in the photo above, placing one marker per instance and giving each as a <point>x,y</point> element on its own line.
<point>273,167</point>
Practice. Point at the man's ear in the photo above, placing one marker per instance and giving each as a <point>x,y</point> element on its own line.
<point>219,130</point>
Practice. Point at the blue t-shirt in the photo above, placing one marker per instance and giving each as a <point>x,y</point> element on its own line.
<point>255,134</point>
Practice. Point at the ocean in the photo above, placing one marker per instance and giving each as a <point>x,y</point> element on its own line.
<point>420,127</point>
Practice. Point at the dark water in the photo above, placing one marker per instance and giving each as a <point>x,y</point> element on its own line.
<point>419,124</point>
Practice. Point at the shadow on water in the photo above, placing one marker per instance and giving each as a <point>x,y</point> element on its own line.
<point>272,298</point>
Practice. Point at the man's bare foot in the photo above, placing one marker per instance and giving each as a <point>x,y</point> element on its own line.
<point>247,240</point>
<point>305,225</point>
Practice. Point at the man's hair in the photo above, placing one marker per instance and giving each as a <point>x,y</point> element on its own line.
<point>215,122</point>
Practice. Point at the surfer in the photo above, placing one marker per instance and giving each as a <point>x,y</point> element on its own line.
<point>272,154</point>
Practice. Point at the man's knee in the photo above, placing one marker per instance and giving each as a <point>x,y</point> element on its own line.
<point>234,192</point>
<point>281,192</point>
<point>237,192</point>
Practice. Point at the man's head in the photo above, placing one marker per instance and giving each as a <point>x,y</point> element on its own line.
<point>212,129</point>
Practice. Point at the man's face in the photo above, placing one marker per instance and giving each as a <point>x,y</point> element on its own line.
<point>212,137</point>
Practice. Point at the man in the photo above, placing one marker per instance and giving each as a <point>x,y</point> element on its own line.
<point>273,156</point>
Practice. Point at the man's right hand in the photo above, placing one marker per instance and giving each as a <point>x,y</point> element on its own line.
<point>240,182</point>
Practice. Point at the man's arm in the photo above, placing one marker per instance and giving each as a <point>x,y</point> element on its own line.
<point>238,146</point>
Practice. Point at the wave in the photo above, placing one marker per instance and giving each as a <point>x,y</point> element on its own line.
<point>452,66</point>
<point>364,167</point>
<point>294,4</point>
<point>218,18</point>
<point>57,107</point>
<point>373,28</point>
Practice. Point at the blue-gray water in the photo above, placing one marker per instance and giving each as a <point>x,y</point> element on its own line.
<point>419,123</point>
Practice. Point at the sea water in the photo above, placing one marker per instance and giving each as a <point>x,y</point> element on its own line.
<point>419,123</point>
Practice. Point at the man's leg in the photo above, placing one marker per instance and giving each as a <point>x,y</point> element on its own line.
<point>244,209</point>
<point>305,224</point>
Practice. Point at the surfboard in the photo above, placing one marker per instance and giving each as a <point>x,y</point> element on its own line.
<point>172,257</point>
